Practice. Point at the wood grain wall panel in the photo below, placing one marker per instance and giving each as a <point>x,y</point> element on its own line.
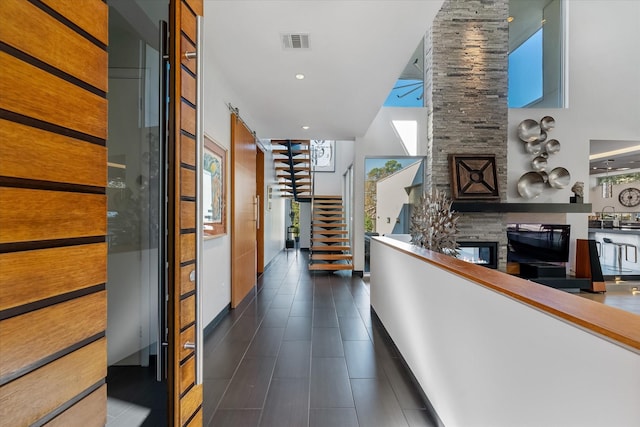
<point>186,285</point>
<point>196,6</point>
<point>50,98</point>
<point>187,311</point>
<point>89,412</point>
<point>35,275</point>
<point>36,394</point>
<point>91,16</point>
<point>187,215</point>
<point>45,152</point>
<point>187,247</point>
<point>32,337</point>
<point>196,421</point>
<point>187,182</point>
<point>188,118</point>
<point>189,335</point>
<point>42,215</point>
<point>57,50</point>
<point>188,150</point>
<point>188,19</point>
<point>188,83</point>
<point>187,374</point>
<point>190,403</point>
<point>187,46</point>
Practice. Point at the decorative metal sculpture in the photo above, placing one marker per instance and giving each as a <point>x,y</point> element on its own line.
<point>534,135</point>
<point>434,224</point>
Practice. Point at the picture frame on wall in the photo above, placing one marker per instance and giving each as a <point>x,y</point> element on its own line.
<point>323,155</point>
<point>214,185</point>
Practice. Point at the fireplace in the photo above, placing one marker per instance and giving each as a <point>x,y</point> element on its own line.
<point>480,253</point>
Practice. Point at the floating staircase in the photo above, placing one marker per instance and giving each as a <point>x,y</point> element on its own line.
<point>292,162</point>
<point>330,248</point>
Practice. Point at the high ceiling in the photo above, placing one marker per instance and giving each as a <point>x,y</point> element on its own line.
<point>357,50</point>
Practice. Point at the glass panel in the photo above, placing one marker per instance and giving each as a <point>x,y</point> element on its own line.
<point>392,187</point>
<point>409,89</point>
<point>535,54</point>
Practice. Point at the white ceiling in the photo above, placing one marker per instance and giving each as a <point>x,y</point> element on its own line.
<point>358,49</point>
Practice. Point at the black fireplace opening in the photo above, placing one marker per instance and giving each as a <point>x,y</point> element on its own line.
<point>480,253</point>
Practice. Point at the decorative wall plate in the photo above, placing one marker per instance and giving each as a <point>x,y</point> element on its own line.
<point>473,177</point>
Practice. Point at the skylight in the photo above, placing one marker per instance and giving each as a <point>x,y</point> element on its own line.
<point>407,130</point>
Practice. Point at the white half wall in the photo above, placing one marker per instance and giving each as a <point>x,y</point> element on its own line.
<point>486,360</point>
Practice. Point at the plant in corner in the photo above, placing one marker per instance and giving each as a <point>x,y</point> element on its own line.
<point>434,224</point>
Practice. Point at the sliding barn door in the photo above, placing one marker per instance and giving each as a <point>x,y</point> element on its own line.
<point>185,393</point>
<point>244,211</point>
<point>53,219</point>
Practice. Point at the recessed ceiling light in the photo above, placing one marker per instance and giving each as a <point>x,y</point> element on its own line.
<point>305,127</point>
<point>299,76</point>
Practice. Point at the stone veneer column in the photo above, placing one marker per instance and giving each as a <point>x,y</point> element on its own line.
<point>466,56</point>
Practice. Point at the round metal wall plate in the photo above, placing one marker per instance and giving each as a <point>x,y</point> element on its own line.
<point>547,123</point>
<point>559,178</point>
<point>530,185</point>
<point>539,163</point>
<point>529,130</point>
<point>552,146</point>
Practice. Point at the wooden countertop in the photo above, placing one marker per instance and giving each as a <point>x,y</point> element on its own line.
<point>612,323</point>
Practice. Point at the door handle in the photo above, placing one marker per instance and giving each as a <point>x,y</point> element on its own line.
<point>189,346</point>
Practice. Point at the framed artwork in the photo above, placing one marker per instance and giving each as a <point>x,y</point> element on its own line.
<point>214,184</point>
<point>323,155</point>
<point>473,177</point>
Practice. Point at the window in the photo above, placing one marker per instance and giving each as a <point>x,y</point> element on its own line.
<point>536,54</point>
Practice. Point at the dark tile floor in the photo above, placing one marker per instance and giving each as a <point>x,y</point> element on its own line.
<point>305,352</point>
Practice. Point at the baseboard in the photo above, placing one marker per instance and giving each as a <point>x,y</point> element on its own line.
<point>358,273</point>
<point>428,406</point>
<point>216,320</point>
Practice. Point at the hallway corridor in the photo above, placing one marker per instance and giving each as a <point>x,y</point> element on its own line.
<point>305,352</point>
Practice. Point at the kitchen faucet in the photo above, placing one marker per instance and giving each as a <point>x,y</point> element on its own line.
<point>613,211</point>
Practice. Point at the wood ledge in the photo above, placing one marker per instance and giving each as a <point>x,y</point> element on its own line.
<point>615,324</point>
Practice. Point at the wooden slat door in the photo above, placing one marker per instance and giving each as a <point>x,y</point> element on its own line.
<point>244,211</point>
<point>53,254</point>
<point>185,394</point>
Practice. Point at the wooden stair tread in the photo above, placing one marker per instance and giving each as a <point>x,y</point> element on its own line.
<point>331,257</point>
<point>323,224</point>
<point>332,267</point>
<point>330,239</point>
<point>329,248</point>
<point>330,232</point>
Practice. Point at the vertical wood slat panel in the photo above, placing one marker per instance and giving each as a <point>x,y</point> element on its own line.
<point>91,16</point>
<point>186,285</point>
<point>89,412</point>
<point>188,118</point>
<point>187,374</point>
<point>188,20</point>
<point>37,335</point>
<point>50,98</point>
<point>187,183</point>
<point>42,215</point>
<point>187,247</point>
<point>187,311</point>
<point>188,87</point>
<point>189,335</point>
<point>187,215</point>
<point>36,394</point>
<point>187,46</point>
<point>190,403</point>
<point>187,150</point>
<point>59,50</point>
<point>35,275</point>
<point>46,151</point>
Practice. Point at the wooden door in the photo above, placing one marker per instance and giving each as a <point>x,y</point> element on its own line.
<point>263,203</point>
<point>53,222</point>
<point>244,211</point>
<point>185,393</point>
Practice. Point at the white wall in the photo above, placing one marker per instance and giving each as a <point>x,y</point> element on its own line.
<point>381,140</point>
<point>494,361</point>
<point>274,218</point>
<point>390,197</point>
<point>216,291</point>
<point>330,183</point>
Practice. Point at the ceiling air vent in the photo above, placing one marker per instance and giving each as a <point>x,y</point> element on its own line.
<point>295,41</point>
